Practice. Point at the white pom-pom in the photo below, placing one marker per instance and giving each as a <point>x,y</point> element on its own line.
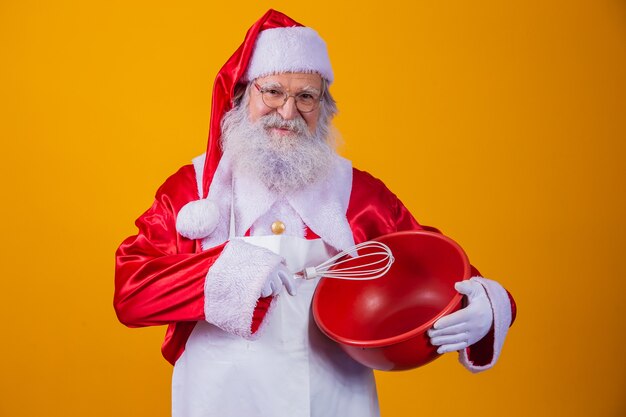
<point>197,219</point>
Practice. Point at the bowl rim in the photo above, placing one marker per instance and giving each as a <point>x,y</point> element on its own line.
<point>454,302</point>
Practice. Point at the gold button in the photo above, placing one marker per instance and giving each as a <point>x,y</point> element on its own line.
<point>278,227</point>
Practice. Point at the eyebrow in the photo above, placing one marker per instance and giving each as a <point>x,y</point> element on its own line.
<point>310,89</point>
<point>305,89</point>
<point>271,85</point>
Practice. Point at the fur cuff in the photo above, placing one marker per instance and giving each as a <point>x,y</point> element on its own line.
<point>501,305</point>
<point>234,283</point>
<point>197,219</point>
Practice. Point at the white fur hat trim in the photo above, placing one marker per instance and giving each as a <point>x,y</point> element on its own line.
<point>291,49</point>
<point>197,219</point>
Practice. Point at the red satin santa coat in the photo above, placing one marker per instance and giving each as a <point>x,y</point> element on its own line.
<point>160,275</point>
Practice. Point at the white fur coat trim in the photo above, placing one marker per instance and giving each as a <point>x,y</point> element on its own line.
<point>322,206</point>
<point>502,316</point>
<point>232,287</point>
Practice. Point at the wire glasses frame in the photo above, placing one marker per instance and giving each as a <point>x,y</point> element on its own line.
<point>306,102</point>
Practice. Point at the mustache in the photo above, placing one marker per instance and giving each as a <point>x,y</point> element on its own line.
<point>274,120</point>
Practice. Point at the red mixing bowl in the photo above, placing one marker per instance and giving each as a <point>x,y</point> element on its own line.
<point>382,323</point>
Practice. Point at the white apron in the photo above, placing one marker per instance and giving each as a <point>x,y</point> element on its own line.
<point>290,370</point>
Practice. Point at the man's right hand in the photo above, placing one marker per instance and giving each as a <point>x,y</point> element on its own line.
<point>279,278</point>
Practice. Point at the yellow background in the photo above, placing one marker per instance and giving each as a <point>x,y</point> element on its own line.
<point>502,123</point>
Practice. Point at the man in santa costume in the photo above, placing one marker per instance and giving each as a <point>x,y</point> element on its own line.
<point>214,256</point>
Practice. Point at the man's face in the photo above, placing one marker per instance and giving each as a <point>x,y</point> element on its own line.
<point>293,84</point>
<point>284,148</point>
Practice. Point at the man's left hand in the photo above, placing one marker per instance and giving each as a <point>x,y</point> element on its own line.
<point>467,326</point>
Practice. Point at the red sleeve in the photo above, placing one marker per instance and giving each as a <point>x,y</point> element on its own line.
<point>159,275</point>
<point>374,210</point>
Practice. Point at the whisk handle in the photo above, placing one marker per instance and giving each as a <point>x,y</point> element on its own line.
<point>310,273</point>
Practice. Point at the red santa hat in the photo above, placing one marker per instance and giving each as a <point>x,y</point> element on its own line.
<point>274,44</point>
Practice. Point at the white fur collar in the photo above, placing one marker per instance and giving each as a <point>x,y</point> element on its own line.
<point>321,206</point>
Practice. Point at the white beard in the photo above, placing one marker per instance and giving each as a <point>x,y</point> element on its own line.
<point>283,163</point>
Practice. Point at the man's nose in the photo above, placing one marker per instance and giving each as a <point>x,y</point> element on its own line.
<point>288,110</point>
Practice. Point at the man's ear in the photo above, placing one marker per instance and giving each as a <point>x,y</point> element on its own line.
<point>240,89</point>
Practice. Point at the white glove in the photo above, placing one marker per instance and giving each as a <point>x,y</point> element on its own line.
<point>277,279</point>
<point>467,326</point>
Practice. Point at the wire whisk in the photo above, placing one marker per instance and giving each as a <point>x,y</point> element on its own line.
<point>381,262</point>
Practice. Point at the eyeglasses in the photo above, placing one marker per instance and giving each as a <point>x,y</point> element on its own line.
<point>274,98</point>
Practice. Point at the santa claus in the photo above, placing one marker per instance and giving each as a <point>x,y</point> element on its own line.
<point>214,256</point>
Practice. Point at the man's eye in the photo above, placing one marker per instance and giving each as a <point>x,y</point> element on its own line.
<point>306,96</point>
<point>274,93</point>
